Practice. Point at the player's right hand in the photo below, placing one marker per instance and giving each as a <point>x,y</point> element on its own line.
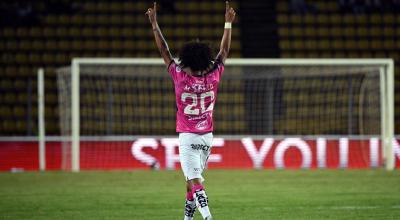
<point>151,12</point>
<point>229,13</point>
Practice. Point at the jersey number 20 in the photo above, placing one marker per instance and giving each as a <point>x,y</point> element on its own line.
<point>193,109</point>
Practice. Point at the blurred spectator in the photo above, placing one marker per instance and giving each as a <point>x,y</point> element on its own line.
<point>18,14</point>
<point>396,6</point>
<point>369,6</point>
<point>60,6</point>
<point>301,7</point>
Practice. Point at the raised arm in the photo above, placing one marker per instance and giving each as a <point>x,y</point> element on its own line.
<point>160,41</point>
<point>226,38</point>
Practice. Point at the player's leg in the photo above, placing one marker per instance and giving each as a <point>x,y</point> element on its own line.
<point>198,190</point>
<point>201,199</point>
<point>190,203</point>
<point>193,161</point>
<point>187,157</point>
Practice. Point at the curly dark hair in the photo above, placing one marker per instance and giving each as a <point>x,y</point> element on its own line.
<point>196,55</point>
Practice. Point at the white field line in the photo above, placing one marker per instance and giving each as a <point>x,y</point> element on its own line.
<point>353,207</point>
<point>268,208</point>
<point>336,207</point>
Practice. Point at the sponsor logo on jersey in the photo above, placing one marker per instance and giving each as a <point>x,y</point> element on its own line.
<point>202,125</point>
<point>203,116</point>
<point>200,147</point>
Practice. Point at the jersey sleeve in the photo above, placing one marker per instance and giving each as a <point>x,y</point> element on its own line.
<point>172,70</point>
<point>220,68</point>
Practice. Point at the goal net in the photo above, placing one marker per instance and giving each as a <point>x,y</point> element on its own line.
<point>105,101</point>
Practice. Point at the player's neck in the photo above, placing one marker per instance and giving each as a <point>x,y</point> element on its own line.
<point>193,73</point>
<point>197,73</point>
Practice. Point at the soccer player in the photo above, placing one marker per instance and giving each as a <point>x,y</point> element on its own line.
<point>196,78</point>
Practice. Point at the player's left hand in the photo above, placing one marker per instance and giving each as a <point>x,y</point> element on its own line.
<point>229,13</point>
<point>152,13</point>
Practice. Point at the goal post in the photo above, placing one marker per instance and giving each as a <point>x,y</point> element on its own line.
<point>75,123</point>
<point>363,73</point>
<point>41,121</point>
<point>389,133</point>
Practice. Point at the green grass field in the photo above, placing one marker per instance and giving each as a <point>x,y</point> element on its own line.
<point>267,194</point>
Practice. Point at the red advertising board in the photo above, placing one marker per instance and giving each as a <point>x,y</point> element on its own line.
<point>246,153</point>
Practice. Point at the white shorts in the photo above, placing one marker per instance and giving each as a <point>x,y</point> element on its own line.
<point>194,150</point>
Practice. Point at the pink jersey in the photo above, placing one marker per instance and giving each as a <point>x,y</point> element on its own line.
<point>195,98</point>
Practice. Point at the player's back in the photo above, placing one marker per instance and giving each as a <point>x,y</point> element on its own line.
<point>195,98</point>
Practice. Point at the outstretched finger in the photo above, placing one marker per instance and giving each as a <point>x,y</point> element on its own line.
<point>227,6</point>
<point>148,11</point>
<point>155,6</point>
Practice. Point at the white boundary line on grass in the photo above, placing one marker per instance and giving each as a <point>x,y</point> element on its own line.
<point>269,208</point>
